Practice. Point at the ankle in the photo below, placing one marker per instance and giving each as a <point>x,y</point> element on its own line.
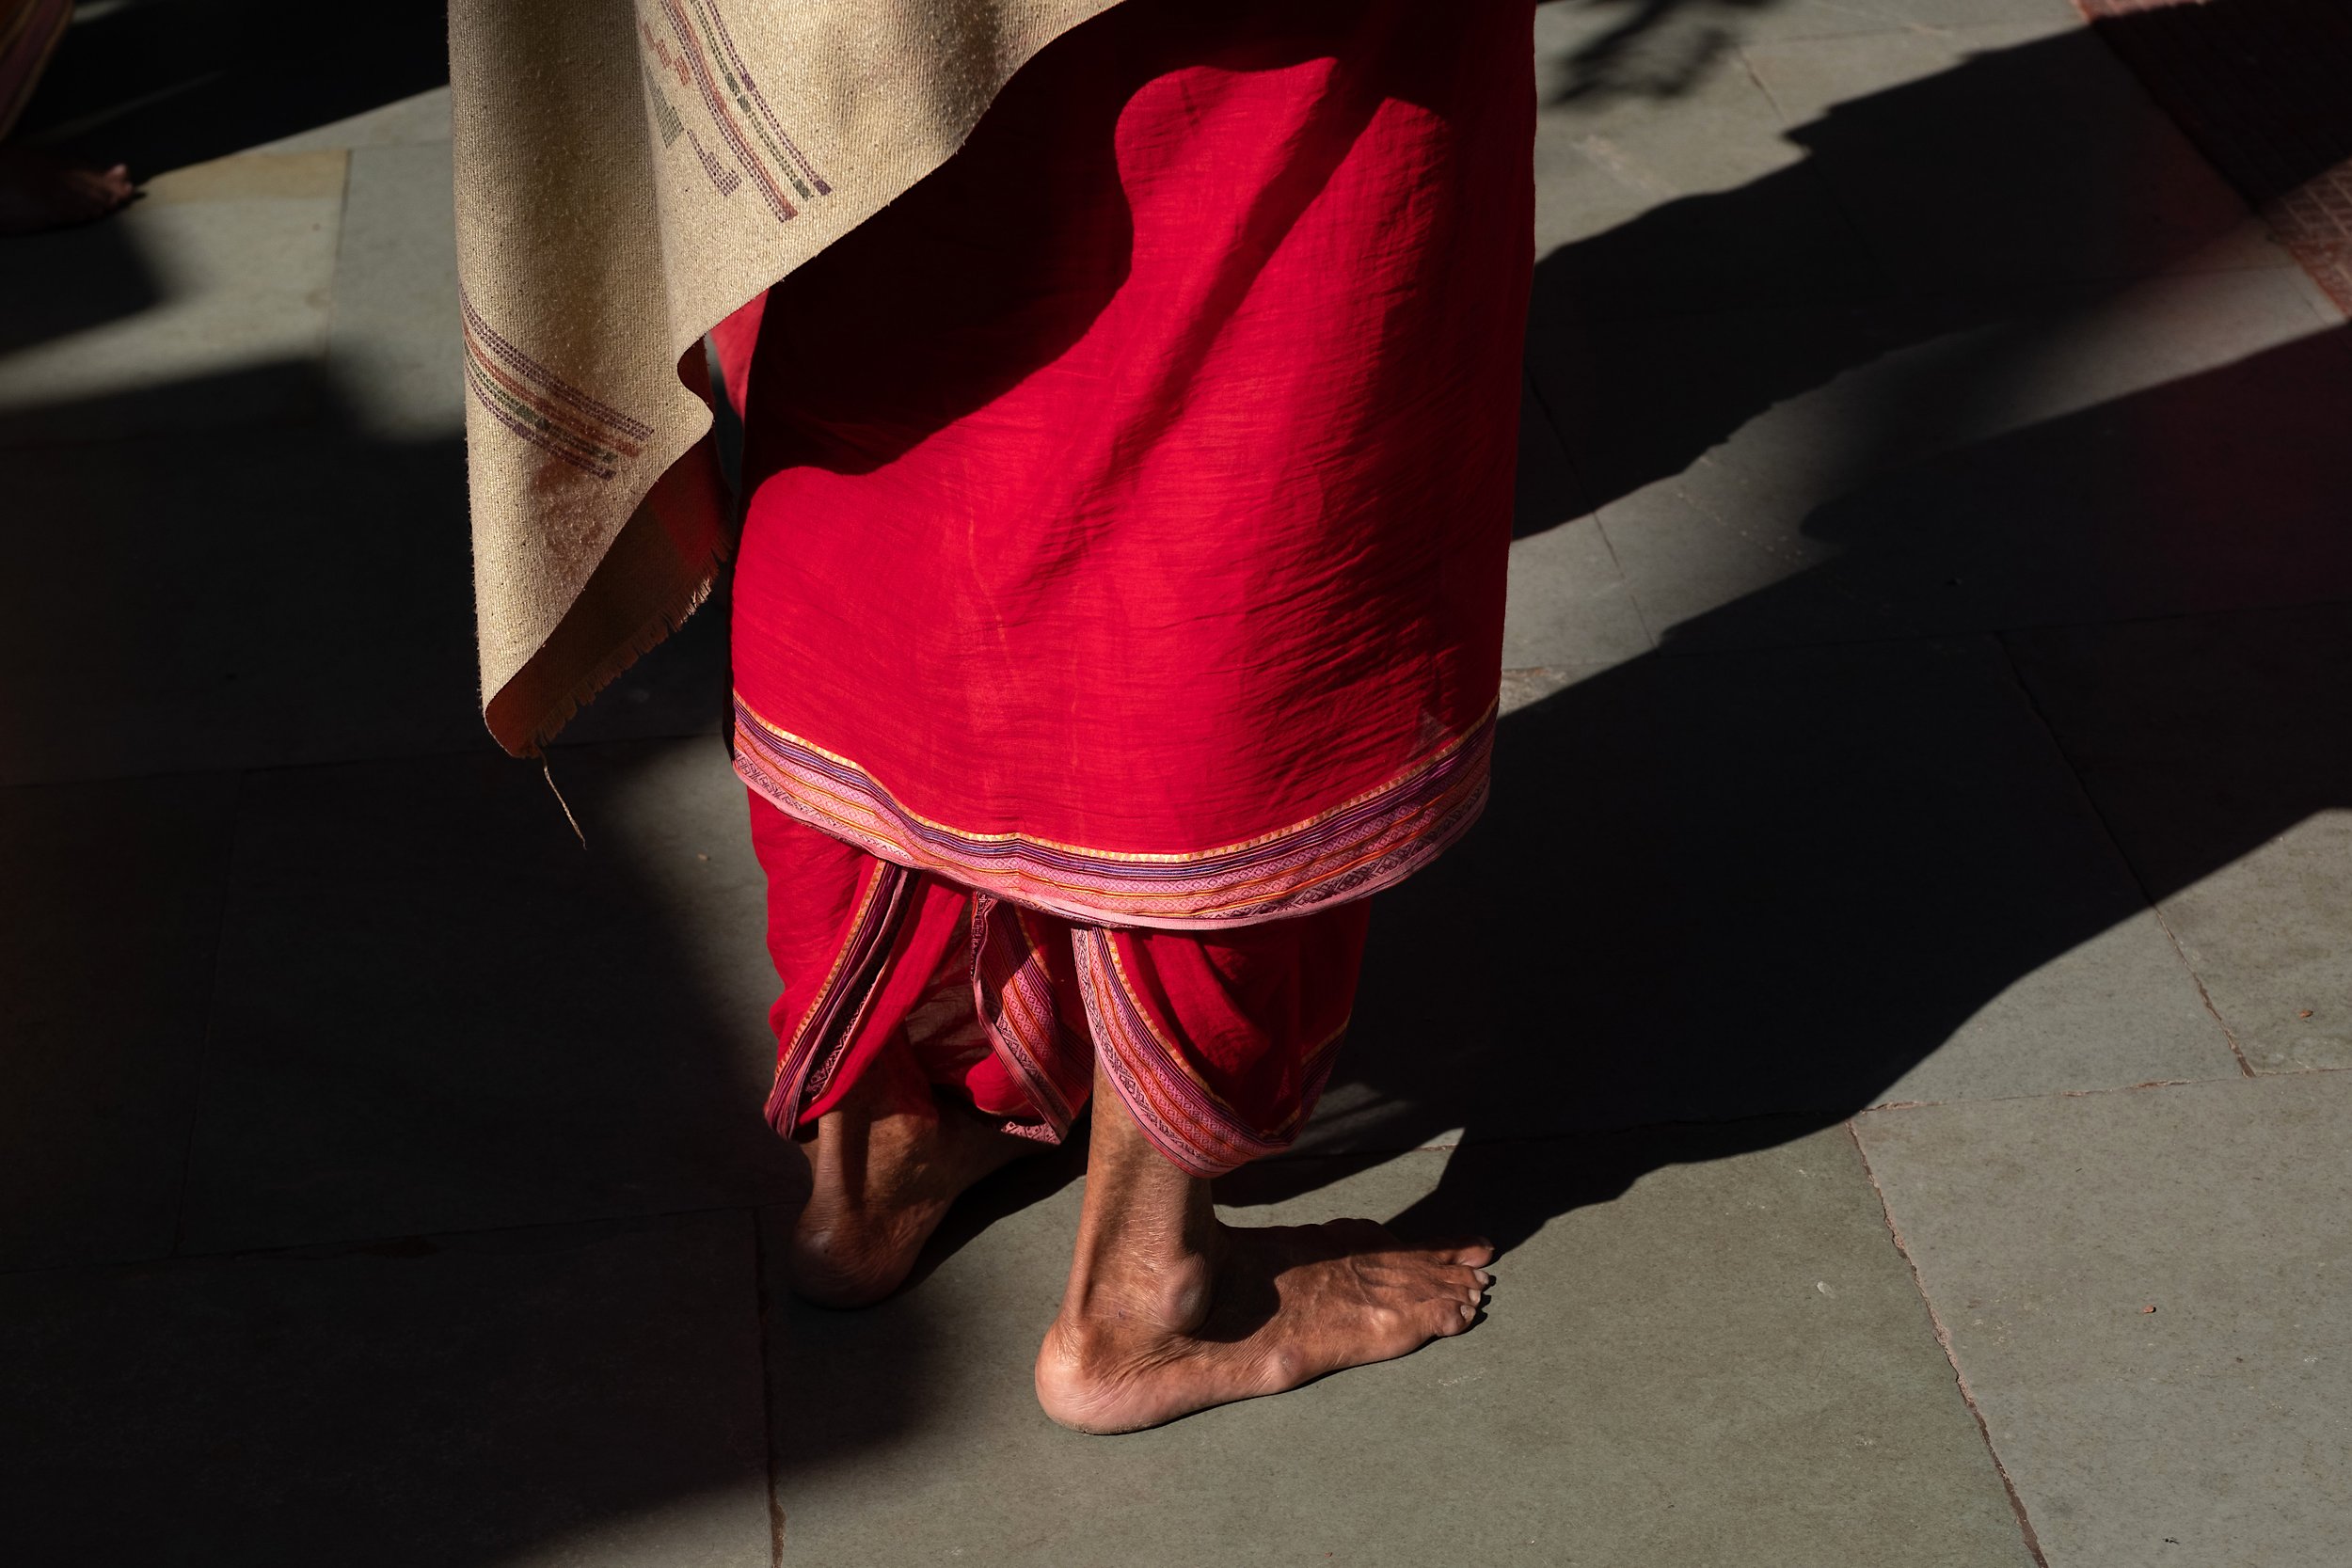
<point>1120,1292</point>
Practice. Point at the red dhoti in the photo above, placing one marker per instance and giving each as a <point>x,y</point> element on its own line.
<point>1120,595</point>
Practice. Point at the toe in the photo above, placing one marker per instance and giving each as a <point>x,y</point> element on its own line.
<point>1476,1252</point>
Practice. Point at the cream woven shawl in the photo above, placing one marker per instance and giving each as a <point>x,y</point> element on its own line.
<point>629,173</point>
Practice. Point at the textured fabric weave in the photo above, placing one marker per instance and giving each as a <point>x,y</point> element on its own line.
<point>1132,500</point>
<point>1217,1043</point>
<point>1122,590</point>
<point>630,172</point>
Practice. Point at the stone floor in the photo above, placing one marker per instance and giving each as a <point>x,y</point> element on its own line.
<point>1895,1014</point>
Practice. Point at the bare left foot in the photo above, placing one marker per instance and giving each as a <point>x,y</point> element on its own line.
<point>886,1165</point>
<point>40,192</point>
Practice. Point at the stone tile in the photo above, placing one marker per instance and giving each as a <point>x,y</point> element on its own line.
<point>1974,156</point>
<point>1778,1397</point>
<point>1798,881</point>
<point>2267,938</point>
<point>1567,603</point>
<point>1720,131</point>
<point>2212,1430</point>
<point>394,349</point>
<point>112,920</point>
<point>583,1397</point>
<point>1546,491</point>
<point>1651,204</point>
<point>1807,475</point>
<point>2219,750</point>
<point>224,268</point>
<point>1596,50</point>
<point>1526,688</point>
<point>2322,304</point>
<point>1799,19</point>
<point>209,609</point>
<point>403,122</point>
<point>214,608</point>
<point>438,1011</point>
<point>2112,987</point>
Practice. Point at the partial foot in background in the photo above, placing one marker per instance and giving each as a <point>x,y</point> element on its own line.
<point>1258,1311</point>
<point>40,192</point>
<point>886,1165</point>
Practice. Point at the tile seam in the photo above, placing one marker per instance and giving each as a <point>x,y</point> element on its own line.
<point>762,1306</point>
<point>335,264</point>
<point>2107,830</point>
<point>1944,1339</point>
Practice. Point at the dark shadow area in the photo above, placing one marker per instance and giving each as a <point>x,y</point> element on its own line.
<point>163,83</point>
<point>2257,84</point>
<point>471,1399</point>
<point>1749,891</point>
<point>64,282</point>
<point>383,1006</point>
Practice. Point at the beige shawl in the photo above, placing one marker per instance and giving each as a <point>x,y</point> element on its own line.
<point>629,173</point>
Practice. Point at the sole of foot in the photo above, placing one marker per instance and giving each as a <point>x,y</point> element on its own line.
<point>884,1169</point>
<point>1285,1306</point>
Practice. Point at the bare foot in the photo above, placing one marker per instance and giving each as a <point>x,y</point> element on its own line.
<point>40,192</point>
<point>1250,1312</point>
<point>885,1166</point>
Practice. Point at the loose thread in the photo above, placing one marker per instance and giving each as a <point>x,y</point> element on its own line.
<point>548,773</point>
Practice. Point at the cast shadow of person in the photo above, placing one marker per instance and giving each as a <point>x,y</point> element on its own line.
<point>277,908</point>
<point>1739,888</point>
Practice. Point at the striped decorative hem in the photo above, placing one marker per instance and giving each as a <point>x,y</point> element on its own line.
<point>1014,996</point>
<point>805,1061</point>
<point>1353,850</point>
<point>1184,1119</point>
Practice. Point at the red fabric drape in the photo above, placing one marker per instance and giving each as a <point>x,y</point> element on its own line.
<point>1217,1041</point>
<point>1122,575</point>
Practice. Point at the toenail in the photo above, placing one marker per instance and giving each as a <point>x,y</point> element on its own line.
<point>1484,1278</point>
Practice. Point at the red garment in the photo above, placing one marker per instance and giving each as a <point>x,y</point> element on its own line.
<point>1130,503</point>
<point>1218,1041</point>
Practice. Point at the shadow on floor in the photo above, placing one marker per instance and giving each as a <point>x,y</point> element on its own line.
<point>163,83</point>
<point>1748,877</point>
<point>1654,342</point>
<point>1750,891</point>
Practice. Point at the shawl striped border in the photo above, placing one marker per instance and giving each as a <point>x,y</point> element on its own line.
<point>1358,848</point>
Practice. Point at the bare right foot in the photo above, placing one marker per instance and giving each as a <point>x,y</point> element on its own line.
<point>1168,1311</point>
<point>885,1166</point>
<point>40,192</point>
<point>1253,1312</point>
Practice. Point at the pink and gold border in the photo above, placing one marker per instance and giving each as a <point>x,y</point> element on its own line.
<point>1354,849</point>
